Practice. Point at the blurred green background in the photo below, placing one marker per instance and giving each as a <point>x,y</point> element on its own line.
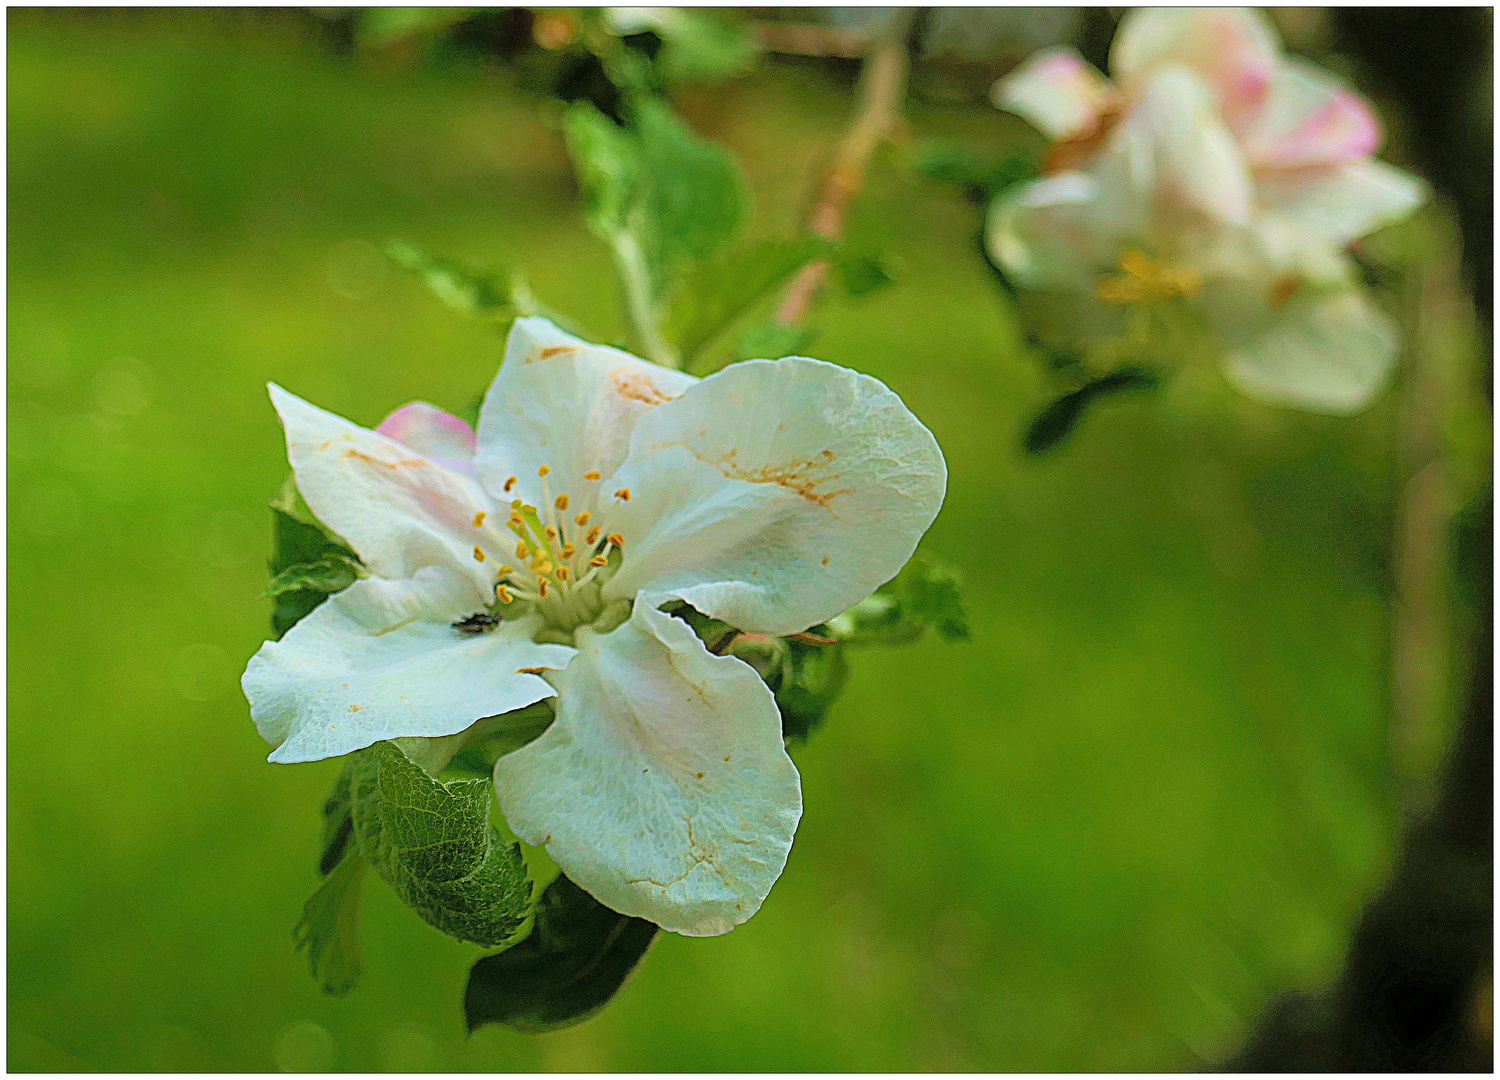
<point>1154,790</point>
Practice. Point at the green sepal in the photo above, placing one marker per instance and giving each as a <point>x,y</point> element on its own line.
<point>433,843</point>
<point>812,677</point>
<point>328,574</point>
<point>338,820</point>
<point>717,292</point>
<point>577,956</point>
<point>328,931</point>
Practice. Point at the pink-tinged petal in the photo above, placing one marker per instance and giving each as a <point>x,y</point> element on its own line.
<point>1048,234</point>
<point>1235,50</point>
<point>1312,118</point>
<point>1057,92</point>
<point>1341,203</point>
<point>433,433</point>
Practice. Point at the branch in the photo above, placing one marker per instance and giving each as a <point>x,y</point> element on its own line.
<point>876,117</point>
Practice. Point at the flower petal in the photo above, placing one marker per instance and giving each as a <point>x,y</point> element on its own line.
<point>1236,50</point>
<point>1340,204</point>
<point>1311,117</point>
<point>561,402</point>
<point>663,787</point>
<point>438,436</point>
<point>397,509</point>
<point>1049,234</point>
<point>1057,91</point>
<point>1173,159</point>
<point>775,494</point>
<point>381,660</point>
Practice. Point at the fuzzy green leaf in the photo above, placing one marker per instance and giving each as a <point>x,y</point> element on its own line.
<point>299,540</point>
<point>771,341</point>
<point>488,296</point>
<point>606,158</point>
<point>812,676</point>
<point>717,292</point>
<point>577,956</point>
<point>702,45</point>
<point>328,931</point>
<point>862,273</point>
<point>338,820</point>
<point>434,845</point>
<point>926,595</point>
<point>329,574</point>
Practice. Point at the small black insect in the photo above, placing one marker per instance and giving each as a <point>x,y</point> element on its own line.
<point>479,623</point>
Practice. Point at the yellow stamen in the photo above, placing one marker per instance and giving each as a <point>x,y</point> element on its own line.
<point>502,594</point>
<point>511,482</point>
<point>543,471</point>
<point>623,494</point>
<point>568,550</point>
<point>593,537</point>
<point>505,570</point>
<point>562,573</point>
<point>522,551</point>
<point>598,560</point>
<point>593,474</point>
<point>478,553</point>
<point>479,520</point>
<point>515,504</point>
<point>541,588</point>
<point>550,533</point>
<point>527,508</point>
<point>582,519</point>
<point>616,539</point>
<point>541,565</point>
<point>561,502</point>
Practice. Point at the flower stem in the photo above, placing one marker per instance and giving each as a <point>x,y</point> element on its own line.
<point>636,278</point>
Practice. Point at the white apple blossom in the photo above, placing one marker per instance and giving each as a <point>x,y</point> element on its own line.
<point>1218,170</point>
<point>772,495</point>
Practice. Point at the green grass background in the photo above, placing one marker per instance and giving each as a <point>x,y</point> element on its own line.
<point>1153,790</point>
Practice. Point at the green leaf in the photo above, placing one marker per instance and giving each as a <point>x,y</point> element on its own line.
<point>982,177</point>
<point>1058,418</point>
<point>328,931</point>
<point>701,45</point>
<point>718,291</point>
<point>297,540</point>
<point>338,820</point>
<point>862,273</point>
<point>577,956</point>
<point>926,595</point>
<point>693,200</point>
<point>488,297</point>
<point>771,341</point>
<point>329,574</point>
<point>380,27</point>
<point>434,845</point>
<point>608,162</point>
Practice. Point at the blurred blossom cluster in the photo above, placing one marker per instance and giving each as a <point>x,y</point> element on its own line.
<point>1214,175</point>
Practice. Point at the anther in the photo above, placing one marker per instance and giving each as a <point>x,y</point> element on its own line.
<point>550,533</point>
<point>510,483</point>
<point>562,573</point>
<point>582,519</point>
<point>515,504</point>
<point>593,537</point>
<point>623,494</point>
<point>616,539</point>
<point>542,588</point>
<point>527,508</point>
<point>505,571</point>
<point>561,502</point>
<point>502,594</point>
<point>598,560</point>
<point>522,551</point>
<point>541,565</point>
<point>478,553</point>
<point>543,471</point>
<point>479,520</point>
<point>568,550</point>
<point>593,474</point>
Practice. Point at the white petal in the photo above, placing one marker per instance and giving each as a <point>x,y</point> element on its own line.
<point>663,787</point>
<point>1311,117</point>
<point>396,508</point>
<point>561,402</point>
<point>381,660</point>
<point>1342,203</point>
<point>1057,91</point>
<point>1235,50</point>
<point>1172,157</point>
<point>1049,234</point>
<point>775,494</point>
<point>438,436</point>
<point>1326,351</point>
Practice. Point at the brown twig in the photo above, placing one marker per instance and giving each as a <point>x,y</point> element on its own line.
<point>882,92</point>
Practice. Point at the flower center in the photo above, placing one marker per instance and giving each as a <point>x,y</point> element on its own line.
<point>1143,278</point>
<point>554,559</point>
